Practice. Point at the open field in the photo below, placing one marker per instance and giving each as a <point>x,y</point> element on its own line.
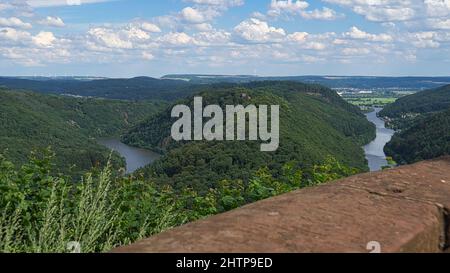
<point>376,101</point>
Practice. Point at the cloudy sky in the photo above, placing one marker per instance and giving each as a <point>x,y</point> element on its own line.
<point>125,38</point>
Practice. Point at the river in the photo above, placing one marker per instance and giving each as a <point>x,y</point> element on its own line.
<point>375,150</point>
<point>135,157</point>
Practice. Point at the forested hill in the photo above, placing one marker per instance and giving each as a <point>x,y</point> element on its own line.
<point>315,124</point>
<point>31,121</point>
<point>140,88</point>
<point>172,87</point>
<point>428,138</point>
<point>429,101</point>
<point>423,120</point>
<point>359,82</point>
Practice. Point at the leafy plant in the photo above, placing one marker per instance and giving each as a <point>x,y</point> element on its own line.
<point>41,212</point>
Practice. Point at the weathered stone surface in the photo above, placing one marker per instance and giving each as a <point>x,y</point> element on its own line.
<point>404,209</point>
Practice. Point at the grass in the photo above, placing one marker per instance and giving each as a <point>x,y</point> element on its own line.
<point>90,219</point>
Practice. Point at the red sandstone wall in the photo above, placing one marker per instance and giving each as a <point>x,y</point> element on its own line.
<point>404,210</point>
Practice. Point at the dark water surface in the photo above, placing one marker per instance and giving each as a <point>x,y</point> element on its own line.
<point>375,150</point>
<point>135,157</point>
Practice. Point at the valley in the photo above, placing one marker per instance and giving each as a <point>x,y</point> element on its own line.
<point>224,125</point>
<point>375,150</point>
<point>32,122</point>
<point>121,142</point>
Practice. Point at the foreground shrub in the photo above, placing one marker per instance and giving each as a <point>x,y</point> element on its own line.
<point>43,213</point>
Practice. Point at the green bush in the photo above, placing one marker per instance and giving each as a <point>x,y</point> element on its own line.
<point>43,213</point>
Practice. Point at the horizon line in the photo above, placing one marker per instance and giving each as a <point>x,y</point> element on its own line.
<point>224,75</point>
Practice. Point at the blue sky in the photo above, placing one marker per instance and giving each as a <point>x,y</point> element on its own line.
<point>126,38</point>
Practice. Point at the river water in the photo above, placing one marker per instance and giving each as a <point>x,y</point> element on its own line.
<point>375,150</point>
<point>135,157</point>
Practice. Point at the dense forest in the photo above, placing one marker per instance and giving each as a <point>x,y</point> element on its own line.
<point>427,138</point>
<point>428,101</point>
<point>172,87</point>
<point>31,121</point>
<point>140,88</point>
<point>315,123</point>
<point>358,82</point>
<point>422,121</point>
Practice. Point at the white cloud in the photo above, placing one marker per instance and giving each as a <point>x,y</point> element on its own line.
<point>192,15</point>
<point>307,41</point>
<point>396,10</point>
<point>5,6</point>
<point>202,27</point>
<point>197,17</point>
<point>424,39</point>
<point>213,37</point>
<point>191,36</point>
<point>323,14</point>
<point>12,34</point>
<point>150,27</point>
<point>54,3</point>
<point>381,10</point>
<point>298,37</point>
<point>177,39</point>
<point>108,38</point>
<point>297,7</point>
<point>356,33</point>
<point>255,30</point>
<point>442,24</point>
<point>278,7</point>
<point>315,46</point>
<point>218,3</point>
<point>52,22</point>
<point>14,22</point>
<point>437,8</point>
<point>340,42</point>
<point>386,14</point>
<point>44,39</point>
<point>147,56</point>
<point>126,37</point>
<point>258,15</point>
<point>355,51</point>
<point>133,34</point>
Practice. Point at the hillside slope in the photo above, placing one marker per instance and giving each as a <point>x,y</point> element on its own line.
<point>140,88</point>
<point>428,101</point>
<point>315,123</point>
<point>33,121</point>
<point>428,138</point>
<point>359,82</point>
<point>422,121</point>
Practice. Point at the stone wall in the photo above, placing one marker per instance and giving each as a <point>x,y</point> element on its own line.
<point>400,210</point>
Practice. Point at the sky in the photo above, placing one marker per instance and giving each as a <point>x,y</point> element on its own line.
<point>128,38</point>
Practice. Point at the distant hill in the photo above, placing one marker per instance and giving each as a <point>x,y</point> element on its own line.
<point>173,87</point>
<point>359,82</point>
<point>428,138</point>
<point>69,125</point>
<point>428,101</point>
<point>315,123</point>
<point>140,88</point>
